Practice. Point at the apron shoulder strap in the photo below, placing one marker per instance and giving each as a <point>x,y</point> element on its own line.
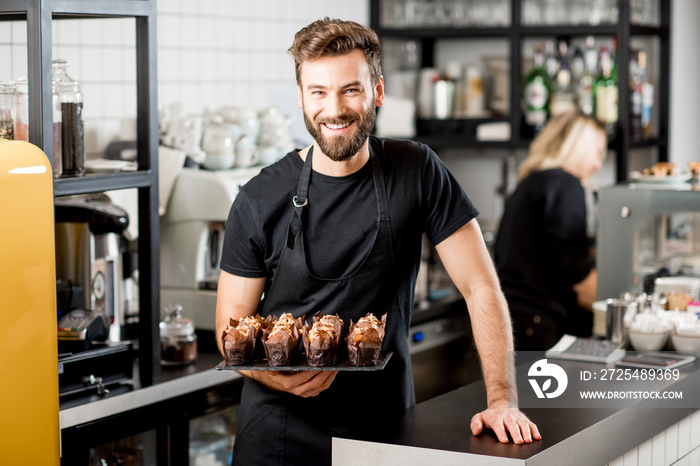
<point>301,199</point>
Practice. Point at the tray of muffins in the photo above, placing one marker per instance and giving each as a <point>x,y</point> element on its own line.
<point>287,344</point>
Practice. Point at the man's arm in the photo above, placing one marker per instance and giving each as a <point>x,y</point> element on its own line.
<point>238,297</point>
<point>469,265</point>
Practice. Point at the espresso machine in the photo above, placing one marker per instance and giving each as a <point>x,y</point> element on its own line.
<point>89,248</point>
<point>647,230</point>
<point>191,239</point>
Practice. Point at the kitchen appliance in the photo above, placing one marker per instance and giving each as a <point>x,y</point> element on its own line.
<point>27,285</point>
<point>89,247</point>
<point>79,328</point>
<point>191,239</point>
<point>647,230</point>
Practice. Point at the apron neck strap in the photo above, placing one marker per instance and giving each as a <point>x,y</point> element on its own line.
<point>301,199</point>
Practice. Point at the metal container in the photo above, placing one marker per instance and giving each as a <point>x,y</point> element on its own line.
<point>444,98</point>
<point>615,323</point>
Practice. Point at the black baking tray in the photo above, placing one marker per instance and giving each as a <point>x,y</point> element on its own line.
<point>302,365</point>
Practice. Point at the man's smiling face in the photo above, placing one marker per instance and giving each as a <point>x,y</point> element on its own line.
<point>339,100</point>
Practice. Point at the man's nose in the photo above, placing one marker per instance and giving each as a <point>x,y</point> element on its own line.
<point>336,106</point>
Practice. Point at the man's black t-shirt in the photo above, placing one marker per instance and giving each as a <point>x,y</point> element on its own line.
<point>341,219</point>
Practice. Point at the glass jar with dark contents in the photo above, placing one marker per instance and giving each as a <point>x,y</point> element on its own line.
<point>72,126</point>
<point>178,342</point>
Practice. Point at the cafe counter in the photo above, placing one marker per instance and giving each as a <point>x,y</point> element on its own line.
<point>437,432</point>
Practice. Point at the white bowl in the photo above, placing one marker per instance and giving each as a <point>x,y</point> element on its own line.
<point>678,285</point>
<point>647,341</point>
<point>219,161</point>
<point>686,344</point>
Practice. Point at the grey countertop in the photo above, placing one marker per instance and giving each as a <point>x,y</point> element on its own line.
<point>174,382</point>
<point>437,431</point>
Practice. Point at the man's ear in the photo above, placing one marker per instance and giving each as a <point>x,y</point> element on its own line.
<point>300,98</point>
<point>379,92</point>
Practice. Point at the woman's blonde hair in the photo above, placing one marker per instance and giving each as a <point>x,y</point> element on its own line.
<point>563,143</point>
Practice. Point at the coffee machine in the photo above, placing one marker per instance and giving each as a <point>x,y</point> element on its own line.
<point>191,239</point>
<point>89,247</point>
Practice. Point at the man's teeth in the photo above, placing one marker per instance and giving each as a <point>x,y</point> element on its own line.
<point>340,126</point>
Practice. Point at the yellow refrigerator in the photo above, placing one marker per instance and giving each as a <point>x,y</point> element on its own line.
<point>29,421</point>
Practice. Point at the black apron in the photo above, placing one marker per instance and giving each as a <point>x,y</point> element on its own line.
<point>277,428</point>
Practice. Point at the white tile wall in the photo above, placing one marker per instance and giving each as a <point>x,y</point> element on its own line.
<point>645,453</point>
<point>679,445</point>
<point>210,53</point>
<point>658,449</point>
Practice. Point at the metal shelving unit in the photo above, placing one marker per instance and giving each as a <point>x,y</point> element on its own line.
<point>515,34</point>
<point>39,15</point>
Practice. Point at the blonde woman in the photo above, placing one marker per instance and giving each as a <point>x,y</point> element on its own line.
<point>542,250</point>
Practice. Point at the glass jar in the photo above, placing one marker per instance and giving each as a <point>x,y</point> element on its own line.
<point>22,110</point>
<point>57,145</point>
<point>178,342</point>
<point>72,129</point>
<point>7,109</point>
<point>22,120</point>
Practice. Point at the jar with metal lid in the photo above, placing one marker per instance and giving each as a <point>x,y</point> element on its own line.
<point>72,128</point>
<point>178,341</point>
<point>7,109</point>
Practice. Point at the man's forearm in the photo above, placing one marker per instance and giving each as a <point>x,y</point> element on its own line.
<point>493,335</point>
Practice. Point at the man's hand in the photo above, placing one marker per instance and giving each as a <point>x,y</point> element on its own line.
<point>302,383</point>
<point>503,420</point>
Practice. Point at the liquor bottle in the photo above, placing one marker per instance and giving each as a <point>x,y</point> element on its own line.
<point>562,100</point>
<point>578,65</point>
<point>584,86</point>
<point>605,92</point>
<point>635,91</point>
<point>647,95</point>
<point>537,91</point>
<point>551,60</point>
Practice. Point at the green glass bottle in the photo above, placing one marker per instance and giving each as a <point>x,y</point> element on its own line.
<point>605,92</point>
<point>538,89</point>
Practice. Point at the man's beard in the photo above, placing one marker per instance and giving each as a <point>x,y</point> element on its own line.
<point>341,148</point>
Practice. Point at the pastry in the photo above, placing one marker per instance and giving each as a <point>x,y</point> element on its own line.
<point>280,338</point>
<point>239,340</point>
<point>321,340</point>
<point>662,169</point>
<point>364,340</point>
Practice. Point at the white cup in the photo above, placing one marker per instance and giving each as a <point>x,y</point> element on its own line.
<point>246,152</point>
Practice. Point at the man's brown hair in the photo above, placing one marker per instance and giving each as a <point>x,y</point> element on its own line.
<point>333,37</point>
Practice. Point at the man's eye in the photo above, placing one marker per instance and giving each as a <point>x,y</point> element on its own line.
<point>316,92</point>
<point>352,91</point>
